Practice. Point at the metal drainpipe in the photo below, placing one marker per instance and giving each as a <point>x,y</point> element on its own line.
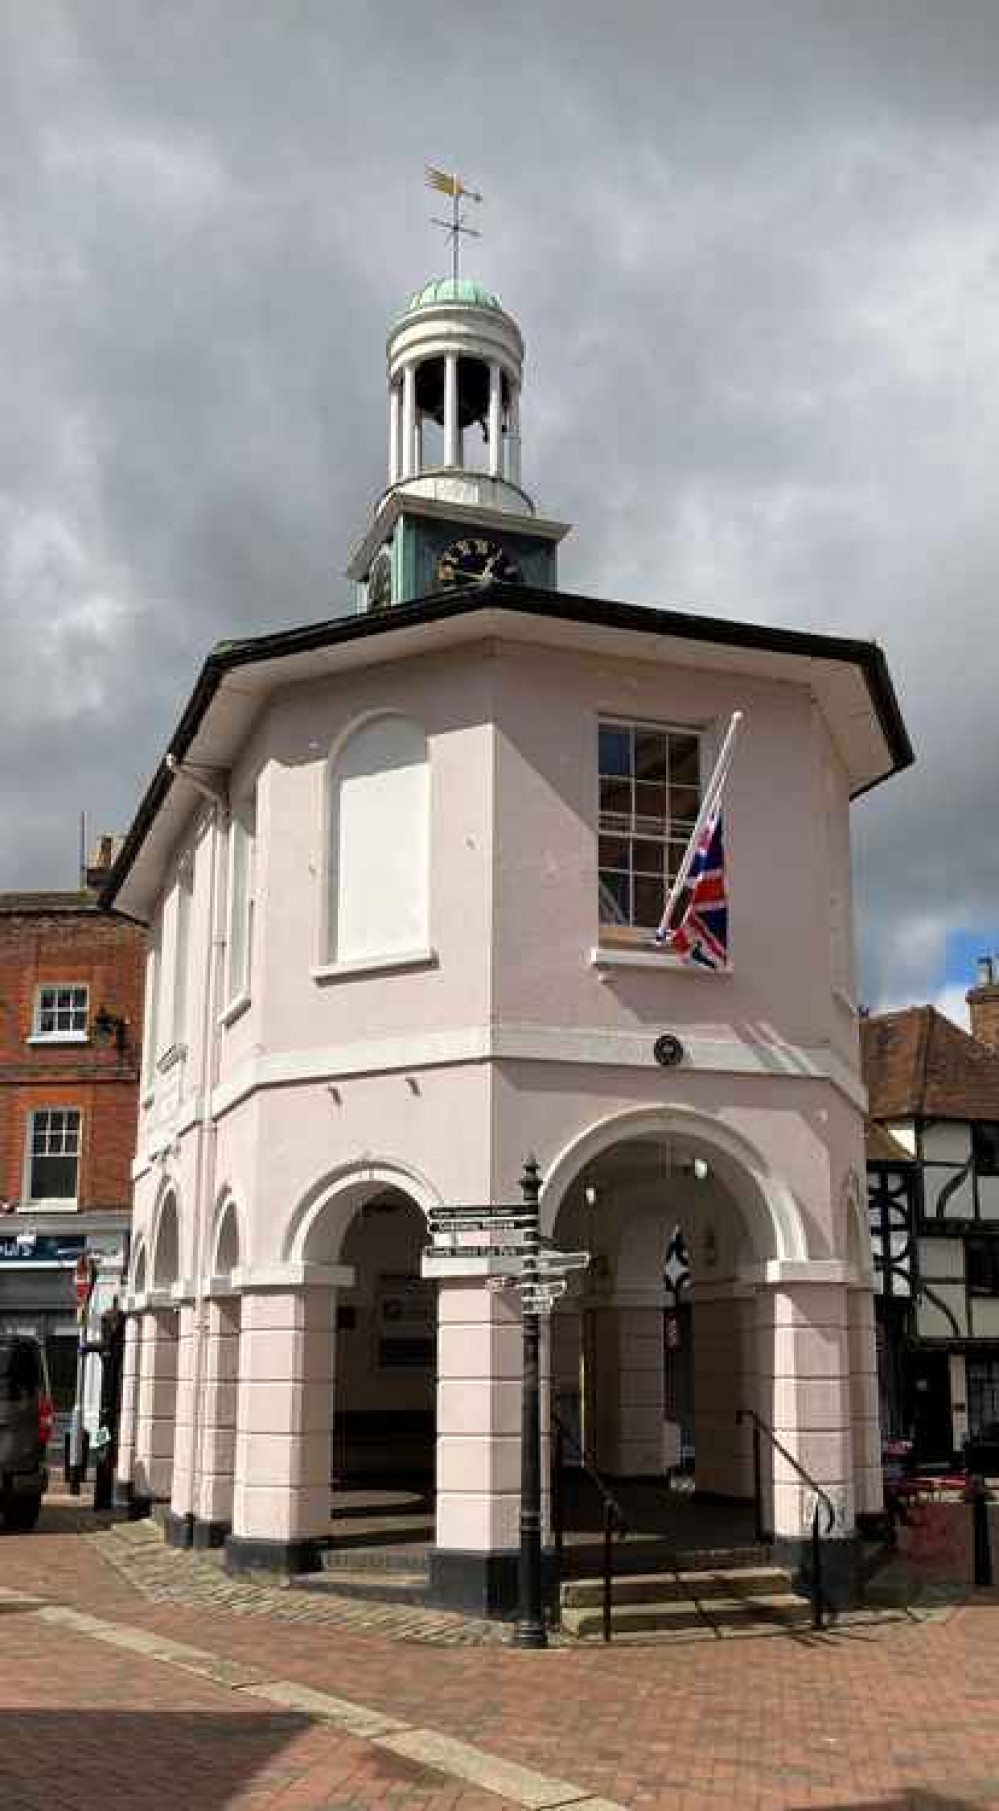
<point>205,1194</point>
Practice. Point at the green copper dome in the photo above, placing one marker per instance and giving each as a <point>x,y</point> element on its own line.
<point>442,290</point>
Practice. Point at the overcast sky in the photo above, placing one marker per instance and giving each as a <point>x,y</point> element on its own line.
<point>754,249</point>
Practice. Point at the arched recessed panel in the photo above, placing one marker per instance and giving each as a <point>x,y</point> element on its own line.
<point>379,842</point>
<point>227,1254</point>
<point>166,1253</point>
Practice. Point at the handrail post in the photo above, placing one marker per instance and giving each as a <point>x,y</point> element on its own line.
<point>758,1483</point>
<point>816,1569</point>
<point>529,1629</point>
<point>608,1564</point>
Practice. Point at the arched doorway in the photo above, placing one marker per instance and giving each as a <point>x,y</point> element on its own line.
<point>381,1402</point>
<point>384,1425</point>
<point>655,1348</point>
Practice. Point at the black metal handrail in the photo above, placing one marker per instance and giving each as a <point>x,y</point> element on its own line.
<point>615,1520</point>
<point>821,1496</point>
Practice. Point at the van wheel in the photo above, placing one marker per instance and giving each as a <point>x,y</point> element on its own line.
<point>21,1513</point>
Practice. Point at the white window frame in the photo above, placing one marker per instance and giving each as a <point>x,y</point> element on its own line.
<point>631,935</point>
<point>239,973</point>
<point>79,1035</point>
<point>65,1203</point>
<point>183,907</point>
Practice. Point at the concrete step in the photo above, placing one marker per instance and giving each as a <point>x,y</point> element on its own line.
<point>672,1587</point>
<point>765,1610</point>
<point>374,1561</point>
<point>385,1587</point>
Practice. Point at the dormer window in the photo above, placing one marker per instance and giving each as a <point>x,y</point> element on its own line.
<point>61,1013</point>
<point>650,794</point>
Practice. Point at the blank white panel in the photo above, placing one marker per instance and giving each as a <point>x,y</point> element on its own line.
<point>380,842</point>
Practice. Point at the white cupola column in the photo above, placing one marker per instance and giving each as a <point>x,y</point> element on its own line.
<point>452,438</point>
<point>395,426</point>
<point>513,436</point>
<point>418,445</point>
<point>495,434</point>
<point>408,420</point>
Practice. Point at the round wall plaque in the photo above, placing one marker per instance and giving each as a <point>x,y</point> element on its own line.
<point>668,1051</point>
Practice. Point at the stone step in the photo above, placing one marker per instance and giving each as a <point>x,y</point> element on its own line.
<point>765,1610</point>
<point>385,1587</point>
<point>374,1561</point>
<point>672,1587</point>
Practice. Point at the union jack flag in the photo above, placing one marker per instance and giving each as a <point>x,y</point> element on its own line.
<point>695,925</point>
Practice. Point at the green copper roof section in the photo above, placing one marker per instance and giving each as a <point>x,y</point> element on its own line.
<point>442,290</point>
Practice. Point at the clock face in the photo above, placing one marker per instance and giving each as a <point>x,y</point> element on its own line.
<point>475,558</point>
<point>380,581</point>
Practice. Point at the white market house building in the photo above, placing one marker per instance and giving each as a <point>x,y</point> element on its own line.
<point>401,870</point>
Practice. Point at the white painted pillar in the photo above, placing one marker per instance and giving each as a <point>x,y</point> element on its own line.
<point>724,1332</point>
<point>513,436</point>
<point>495,422</point>
<point>284,1417</point>
<point>408,419</point>
<point>418,445</point>
<point>804,1393</point>
<point>479,1360</point>
<point>217,1444</point>
<point>395,432</point>
<point>152,1473</point>
<point>129,1394</point>
<point>182,1481</point>
<point>864,1404</point>
<point>452,454</point>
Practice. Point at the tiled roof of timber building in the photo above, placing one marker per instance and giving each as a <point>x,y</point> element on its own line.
<point>23,903</point>
<point>881,1147</point>
<point>917,1064</point>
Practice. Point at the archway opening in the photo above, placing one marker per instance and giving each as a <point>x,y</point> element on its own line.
<point>654,1347</point>
<point>386,1358</point>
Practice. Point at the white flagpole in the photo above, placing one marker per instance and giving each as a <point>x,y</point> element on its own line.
<point>711,791</point>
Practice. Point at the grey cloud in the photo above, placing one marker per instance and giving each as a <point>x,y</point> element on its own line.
<point>755,254</point>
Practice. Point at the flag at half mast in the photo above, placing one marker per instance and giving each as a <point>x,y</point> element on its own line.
<point>694,923</point>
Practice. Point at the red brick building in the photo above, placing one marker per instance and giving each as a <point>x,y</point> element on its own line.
<point>71,981</point>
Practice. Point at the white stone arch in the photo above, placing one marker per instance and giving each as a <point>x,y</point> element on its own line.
<point>407,895</point>
<point>772,1213</point>
<point>227,1247</point>
<point>859,1251</point>
<point>165,1242</point>
<point>139,1268</point>
<point>331,1203</point>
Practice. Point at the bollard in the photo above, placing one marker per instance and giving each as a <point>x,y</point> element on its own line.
<point>976,1493</point>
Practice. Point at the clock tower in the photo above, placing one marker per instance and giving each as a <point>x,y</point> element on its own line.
<point>455,512</point>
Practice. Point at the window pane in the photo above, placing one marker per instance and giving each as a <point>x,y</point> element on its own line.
<point>614,898</point>
<point>651,805</point>
<point>650,897</point>
<point>978,1266</point>
<point>53,1178</point>
<point>651,755</point>
<point>615,799</point>
<point>985,1139</point>
<point>684,805</point>
<point>237,908</point>
<point>648,857</point>
<point>614,852</point>
<point>685,761</point>
<point>615,750</point>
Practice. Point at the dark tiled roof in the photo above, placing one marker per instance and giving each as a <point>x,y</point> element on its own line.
<point>917,1063</point>
<point>48,902</point>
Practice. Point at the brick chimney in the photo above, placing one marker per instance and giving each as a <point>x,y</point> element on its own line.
<point>983,1002</point>
<point>101,861</point>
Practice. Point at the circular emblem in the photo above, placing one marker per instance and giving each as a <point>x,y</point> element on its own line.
<point>668,1051</point>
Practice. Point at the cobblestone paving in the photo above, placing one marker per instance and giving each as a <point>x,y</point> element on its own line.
<point>166,1575</point>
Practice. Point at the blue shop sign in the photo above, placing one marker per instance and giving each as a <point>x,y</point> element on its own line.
<point>41,1247</point>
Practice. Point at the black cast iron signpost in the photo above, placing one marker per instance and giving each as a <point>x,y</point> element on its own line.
<point>538,1272</point>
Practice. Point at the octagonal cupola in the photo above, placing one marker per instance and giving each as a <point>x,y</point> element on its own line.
<point>455,361</point>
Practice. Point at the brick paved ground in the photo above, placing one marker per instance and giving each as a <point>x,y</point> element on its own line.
<point>865,1719</point>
